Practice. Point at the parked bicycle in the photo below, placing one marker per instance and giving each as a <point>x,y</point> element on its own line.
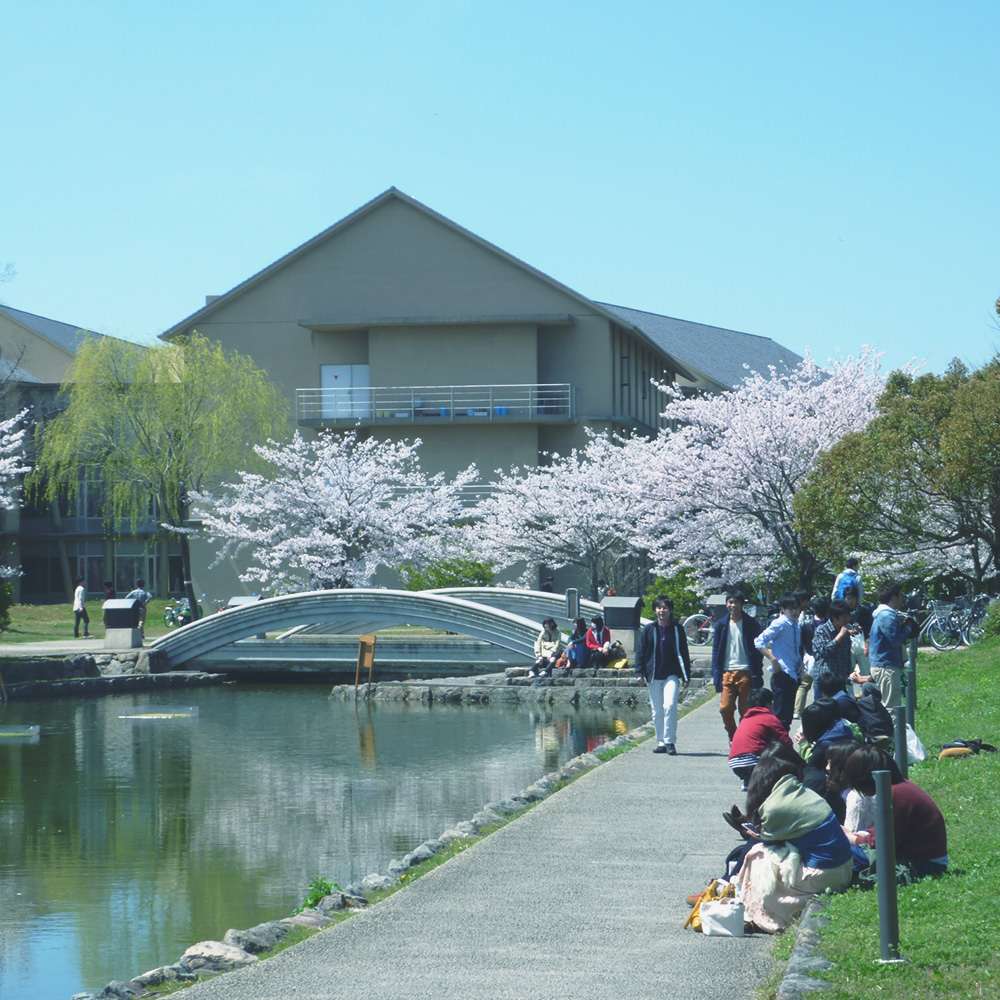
<point>699,628</point>
<point>178,612</point>
<point>949,624</point>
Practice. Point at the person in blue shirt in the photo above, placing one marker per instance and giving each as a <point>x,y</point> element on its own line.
<point>781,644</point>
<point>890,632</point>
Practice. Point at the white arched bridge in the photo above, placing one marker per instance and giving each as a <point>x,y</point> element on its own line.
<point>350,612</point>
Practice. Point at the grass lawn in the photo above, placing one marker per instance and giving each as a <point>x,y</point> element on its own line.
<point>949,927</point>
<point>54,622</point>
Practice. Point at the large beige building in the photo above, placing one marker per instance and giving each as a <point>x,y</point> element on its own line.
<point>401,321</point>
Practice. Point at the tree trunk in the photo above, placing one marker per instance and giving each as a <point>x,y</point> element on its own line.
<point>188,583</point>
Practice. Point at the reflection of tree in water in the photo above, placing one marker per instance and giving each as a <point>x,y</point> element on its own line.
<point>173,831</point>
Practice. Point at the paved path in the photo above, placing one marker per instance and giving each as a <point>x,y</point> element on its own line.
<point>581,898</point>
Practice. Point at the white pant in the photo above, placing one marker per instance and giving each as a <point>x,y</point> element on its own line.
<point>663,699</point>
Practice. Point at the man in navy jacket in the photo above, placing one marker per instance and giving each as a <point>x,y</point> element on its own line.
<point>737,664</point>
<point>663,664</point>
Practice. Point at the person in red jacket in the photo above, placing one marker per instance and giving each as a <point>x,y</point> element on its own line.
<point>756,729</point>
<point>598,643</point>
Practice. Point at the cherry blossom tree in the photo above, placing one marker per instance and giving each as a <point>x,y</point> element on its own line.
<point>720,483</point>
<point>12,470</point>
<point>580,509</point>
<point>330,512</point>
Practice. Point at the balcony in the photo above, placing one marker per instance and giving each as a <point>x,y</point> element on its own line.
<point>436,404</point>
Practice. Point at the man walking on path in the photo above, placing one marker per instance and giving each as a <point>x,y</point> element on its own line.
<point>663,663</point>
<point>80,610</point>
<point>737,664</point>
<point>781,643</point>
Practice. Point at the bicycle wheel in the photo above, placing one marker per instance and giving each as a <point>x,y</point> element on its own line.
<point>973,632</point>
<point>943,635</point>
<point>698,629</point>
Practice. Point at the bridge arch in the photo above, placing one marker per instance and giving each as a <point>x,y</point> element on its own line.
<point>350,611</point>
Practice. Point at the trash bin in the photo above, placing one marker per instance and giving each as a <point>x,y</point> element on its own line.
<point>121,612</point>
<point>622,612</point>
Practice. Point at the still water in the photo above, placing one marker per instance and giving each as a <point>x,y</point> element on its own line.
<point>125,841</point>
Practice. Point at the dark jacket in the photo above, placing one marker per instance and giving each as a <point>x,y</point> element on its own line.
<point>720,651</point>
<point>645,654</point>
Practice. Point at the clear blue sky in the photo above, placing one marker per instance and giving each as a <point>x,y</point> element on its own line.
<point>826,175</point>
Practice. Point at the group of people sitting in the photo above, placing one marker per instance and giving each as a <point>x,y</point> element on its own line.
<point>808,829</point>
<point>808,822</point>
<point>586,647</point>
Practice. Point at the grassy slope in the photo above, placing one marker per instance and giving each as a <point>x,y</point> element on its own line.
<point>949,927</point>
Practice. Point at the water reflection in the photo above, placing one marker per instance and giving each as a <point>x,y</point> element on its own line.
<point>122,842</point>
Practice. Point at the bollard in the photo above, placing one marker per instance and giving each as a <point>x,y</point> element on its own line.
<point>572,603</point>
<point>885,868</point>
<point>911,681</point>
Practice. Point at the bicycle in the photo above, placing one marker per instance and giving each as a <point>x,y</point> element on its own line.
<point>699,629</point>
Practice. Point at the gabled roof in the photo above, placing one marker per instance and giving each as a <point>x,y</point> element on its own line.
<point>386,196</point>
<point>63,335</point>
<point>9,372</point>
<point>712,351</point>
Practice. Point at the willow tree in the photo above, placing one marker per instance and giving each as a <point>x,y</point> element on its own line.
<point>160,423</point>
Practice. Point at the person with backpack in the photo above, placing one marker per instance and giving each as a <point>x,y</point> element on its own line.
<point>849,578</point>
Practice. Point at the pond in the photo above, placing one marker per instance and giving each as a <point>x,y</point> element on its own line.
<point>123,841</point>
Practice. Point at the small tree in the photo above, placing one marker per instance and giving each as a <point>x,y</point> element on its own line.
<point>161,423</point>
<point>331,512</point>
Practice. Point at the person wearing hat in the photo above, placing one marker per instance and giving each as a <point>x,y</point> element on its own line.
<point>662,662</point>
<point>548,646</point>
<point>598,642</point>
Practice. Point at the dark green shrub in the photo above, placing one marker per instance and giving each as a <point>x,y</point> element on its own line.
<point>6,603</point>
<point>991,625</point>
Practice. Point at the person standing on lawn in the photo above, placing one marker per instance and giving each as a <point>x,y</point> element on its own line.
<point>80,610</point>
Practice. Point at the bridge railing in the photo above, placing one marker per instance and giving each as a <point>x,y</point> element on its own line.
<point>351,611</point>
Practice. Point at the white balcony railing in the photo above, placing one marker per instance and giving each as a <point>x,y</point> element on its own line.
<point>554,402</point>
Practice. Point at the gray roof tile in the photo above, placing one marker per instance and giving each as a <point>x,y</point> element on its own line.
<point>66,335</point>
<point>715,352</point>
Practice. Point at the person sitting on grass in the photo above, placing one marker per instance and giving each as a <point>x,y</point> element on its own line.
<point>548,646</point>
<point>756,730</point>
<point>918,824</point>
<point>802,851</point>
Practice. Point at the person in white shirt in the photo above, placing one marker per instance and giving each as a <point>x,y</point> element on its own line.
<point>80,610</point>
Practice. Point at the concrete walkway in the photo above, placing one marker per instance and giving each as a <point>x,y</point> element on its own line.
<point>580,898</point>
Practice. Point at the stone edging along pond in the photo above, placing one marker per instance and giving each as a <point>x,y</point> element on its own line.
<point>245,947</point>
